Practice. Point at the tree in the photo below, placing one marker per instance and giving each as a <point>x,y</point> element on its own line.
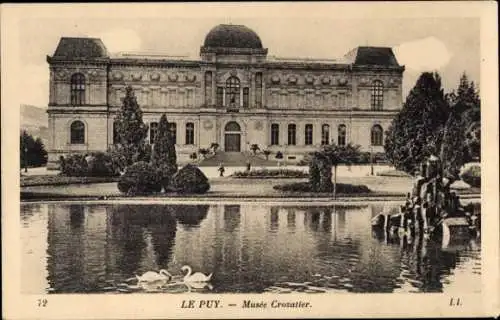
<point>131,130</point>
<point>164,158</point>
<point>254,147</point>
<point>193,156</point>
<point>461,136</point>
<point>416,131</point>
<point>266,153</point>
<point>204,152</point>
<point>336,155</point>
<point>214,146</point>
<point>32,151</point>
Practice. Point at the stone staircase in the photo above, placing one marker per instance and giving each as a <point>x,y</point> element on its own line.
<point>236,159</point>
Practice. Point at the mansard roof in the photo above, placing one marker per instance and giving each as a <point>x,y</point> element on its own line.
<point>372,56</point>
<point>80,48</point>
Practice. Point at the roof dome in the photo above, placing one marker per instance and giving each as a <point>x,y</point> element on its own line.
<point>232,36</point>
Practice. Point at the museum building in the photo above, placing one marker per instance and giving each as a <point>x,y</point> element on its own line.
<point>234,95</point>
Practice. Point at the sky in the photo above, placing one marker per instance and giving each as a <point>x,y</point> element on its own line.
<point>449,45</point>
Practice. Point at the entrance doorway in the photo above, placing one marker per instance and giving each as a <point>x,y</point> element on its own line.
<point>232,137</point>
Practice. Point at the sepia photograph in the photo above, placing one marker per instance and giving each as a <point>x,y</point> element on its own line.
<point>250,159</point>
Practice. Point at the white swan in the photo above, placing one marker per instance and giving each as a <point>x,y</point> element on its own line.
<point>152,276</point>
<point>197,277</point>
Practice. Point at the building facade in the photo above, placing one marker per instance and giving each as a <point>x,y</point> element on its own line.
<point>234,95</point>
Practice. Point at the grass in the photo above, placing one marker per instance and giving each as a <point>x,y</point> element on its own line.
<point>393,173</point>
<point>341,188</point>
<point>271,173</point>
<point>57,180</point>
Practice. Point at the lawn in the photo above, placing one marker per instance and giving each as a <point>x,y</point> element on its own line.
<point>57,180</point>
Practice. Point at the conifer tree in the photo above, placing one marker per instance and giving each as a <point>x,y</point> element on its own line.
<point>461,138</point>
<point>131,131</point>
<point>416,132</point>
<point>164,157</point>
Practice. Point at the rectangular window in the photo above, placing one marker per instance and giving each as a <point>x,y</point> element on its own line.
<point>292,130</point>
<point>153,130</point>
<point>342,132</point>
<point>189,133</point>
<point>308,133</point>
<point>220,95</point>
<point>275,134</point>
<point>258,89</point>
<point>208,88</point>
<point>245,97</point>
<point>325,134</point>
<point>173,131</point>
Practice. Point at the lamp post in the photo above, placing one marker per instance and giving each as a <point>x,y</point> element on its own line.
<point>25,159</point>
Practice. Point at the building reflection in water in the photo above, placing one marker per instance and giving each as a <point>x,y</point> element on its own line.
<point>232,217</point>
<point>246,247</point>
<point>90,244</point>
<point>274,219</point>
<point>290,219</point>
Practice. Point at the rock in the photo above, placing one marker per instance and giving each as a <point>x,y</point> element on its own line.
<point>459,185</point>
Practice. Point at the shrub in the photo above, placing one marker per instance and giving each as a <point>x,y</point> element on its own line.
<point>165,172</point>
<point>306,187</point>
<point>75,166</point>
<point>101,165</point>
<point>364,157</point>
<point>98,164</point>
<point>281,173</point>
<point>472,176</point>
<point>190,179</point>
<point>140,178</point>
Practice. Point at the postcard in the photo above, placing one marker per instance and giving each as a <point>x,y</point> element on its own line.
<point>250,160</point>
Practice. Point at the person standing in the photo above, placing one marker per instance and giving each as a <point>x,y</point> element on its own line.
<point>221,169</point>
<point>249,165</point>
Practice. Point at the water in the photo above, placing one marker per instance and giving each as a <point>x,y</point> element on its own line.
<point>99,248</point>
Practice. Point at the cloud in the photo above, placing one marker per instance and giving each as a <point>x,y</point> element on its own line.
<point>117,40</point>
<point>427,54</point>
<point>36,83</point>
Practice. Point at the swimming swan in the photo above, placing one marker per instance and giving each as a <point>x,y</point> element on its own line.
<point>152,276</point>
<point>197,277</point>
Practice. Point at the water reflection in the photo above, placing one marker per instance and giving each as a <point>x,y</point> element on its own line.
<point>249,248</point>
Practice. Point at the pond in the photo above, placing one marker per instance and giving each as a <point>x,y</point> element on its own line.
<point>249,248</point>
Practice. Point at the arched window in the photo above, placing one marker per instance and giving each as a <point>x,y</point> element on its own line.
<point>308,133</point>
<point>189,133</point>
<point>292,134</point>
<point>77,89</point>
<point>275,134</point>
<point>153,131</point>
<point>342,133</point>
<point>233,92</point>
<point>77,130</point>
<point>172,127</point>
<point>232,126</point>
<point>377,95</point>
<point>377,135</point>
<point>325,134</point>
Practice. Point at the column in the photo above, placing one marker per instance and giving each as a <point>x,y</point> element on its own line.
<point>214,89</point>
